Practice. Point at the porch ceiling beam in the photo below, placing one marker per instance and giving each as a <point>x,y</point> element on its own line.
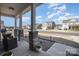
<point>2,14</point>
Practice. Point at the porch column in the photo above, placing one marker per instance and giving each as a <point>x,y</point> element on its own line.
<point>33,29</point>
<point>0,26</point>
<point>15,28</point>
<point>20,27</point>
<point>33,17</point>
<point>20,21</point>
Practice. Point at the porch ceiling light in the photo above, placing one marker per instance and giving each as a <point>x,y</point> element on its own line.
<point>11,8</point>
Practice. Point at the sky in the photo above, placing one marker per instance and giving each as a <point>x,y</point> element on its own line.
<point>56,12</point>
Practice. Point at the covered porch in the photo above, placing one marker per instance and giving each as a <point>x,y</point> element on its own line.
<point>26,46</point>
<point>16,11</point>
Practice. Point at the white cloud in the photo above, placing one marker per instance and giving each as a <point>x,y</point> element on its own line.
<point>53,14</point>
<point>77,17</point>
<point>38,17</point>
<point>61,8</point>
<point>48,12</point>
<point>61,18</point>
<point>53,5</point>
<point>26,18</point>
<point>67,14</point>
<point>58,10</point>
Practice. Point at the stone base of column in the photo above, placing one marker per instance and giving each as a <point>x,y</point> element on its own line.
<point>15,32</point>
<point>32,36</point>
<point>20,34</point>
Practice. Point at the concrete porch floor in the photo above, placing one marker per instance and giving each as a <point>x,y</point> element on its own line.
<point>56,49</point>
<point>23,50</point>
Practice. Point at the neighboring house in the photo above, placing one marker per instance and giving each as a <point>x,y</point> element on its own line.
<point>48,25</point>
<point>58,26</point>
<point>51,24</point>
<point>65,26</point>
<point>72,23</point>
<point>44,26</point>
<point>28,27</point>
<point>38,26</point>
<point>24,26</point>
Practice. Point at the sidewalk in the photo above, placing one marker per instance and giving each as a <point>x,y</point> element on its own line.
<point>59,49</point>
<point>61,38</point>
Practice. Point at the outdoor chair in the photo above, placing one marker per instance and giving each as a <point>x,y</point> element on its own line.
<point>9,42</point>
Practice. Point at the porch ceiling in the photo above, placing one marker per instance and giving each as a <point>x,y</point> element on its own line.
<point>13,9</point>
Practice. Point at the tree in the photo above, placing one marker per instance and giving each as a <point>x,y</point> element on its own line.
<point>52,25</point>
<point>39,26</point>
<point>67,21</point>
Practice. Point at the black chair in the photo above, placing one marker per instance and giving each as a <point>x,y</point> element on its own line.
<point>9,42</point>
